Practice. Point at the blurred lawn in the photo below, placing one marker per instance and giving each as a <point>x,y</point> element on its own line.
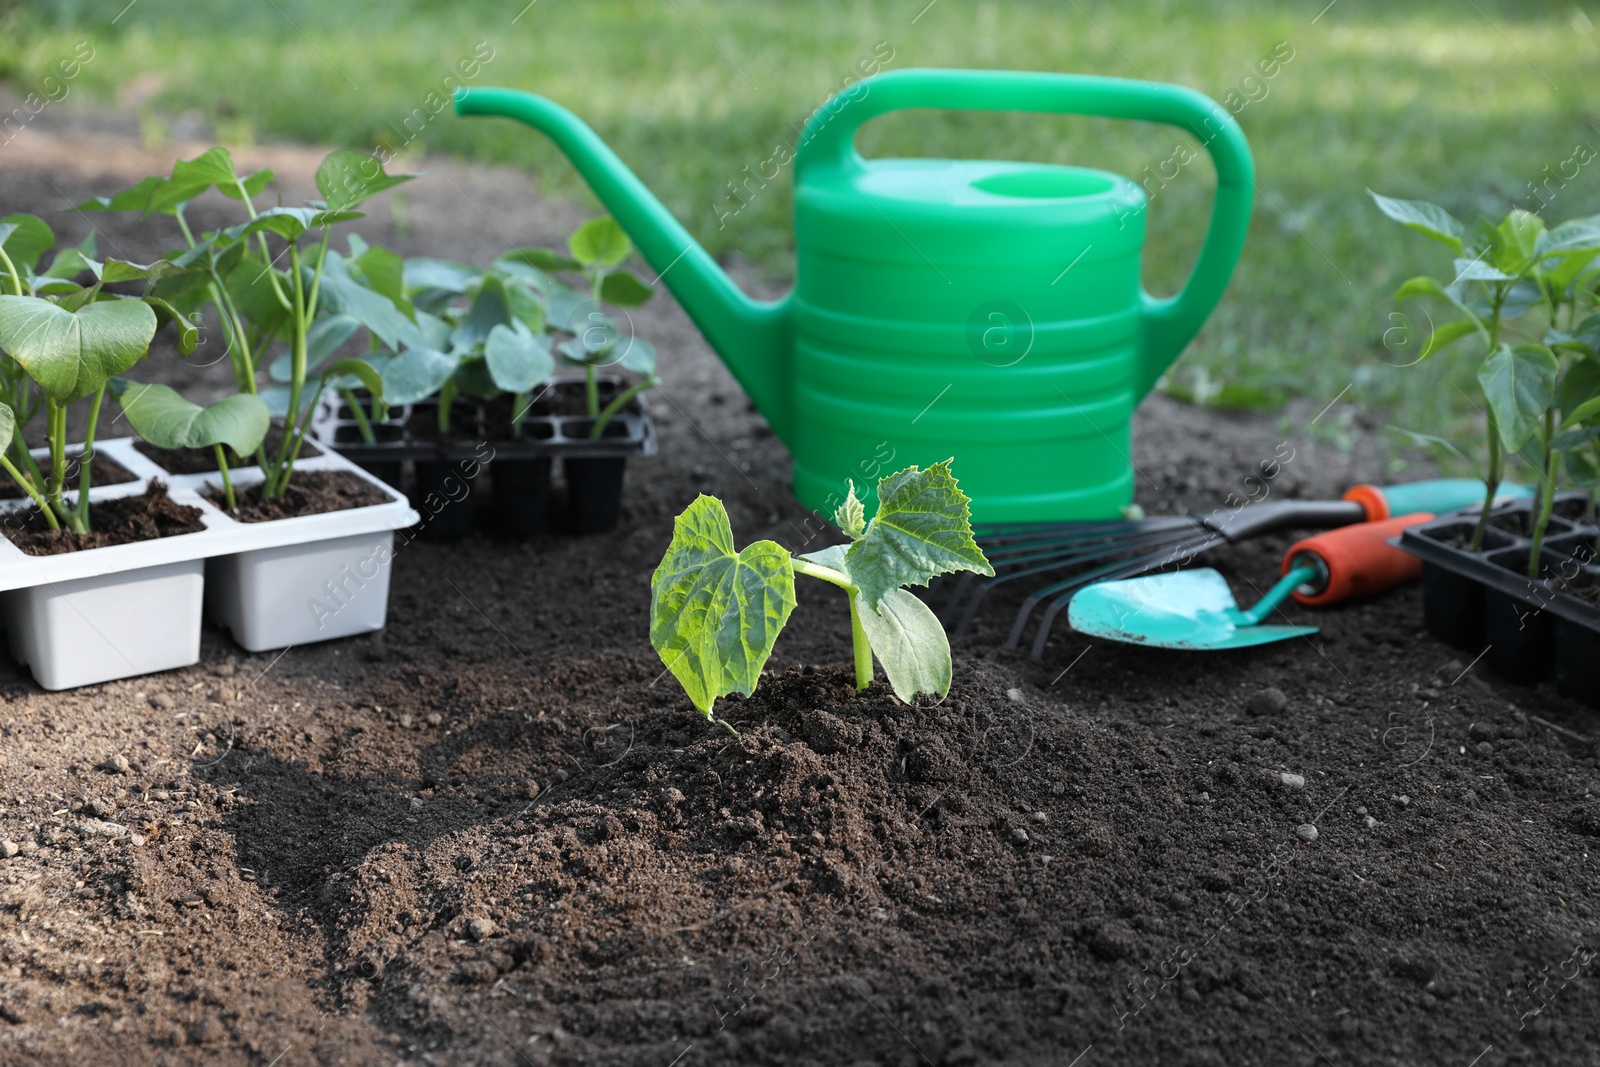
<point>1463,102</point>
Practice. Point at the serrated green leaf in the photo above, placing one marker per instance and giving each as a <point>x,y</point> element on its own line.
<point>715,614</point>
<point>72,354</point>
<point>624,290</point>
<point>517,359</point>
<point>28,241</point>
<point>1519,384</point>
<point>416,373</point>
<point>162,416</point>
<point>909,641</point>
<point>599,242</point>
<point>923,529</point>
<point>832,557</point>
<point>851,516</point>
<point>347,177</point>
<point>1430,220</point>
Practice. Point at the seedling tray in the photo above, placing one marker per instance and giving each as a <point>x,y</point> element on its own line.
<point>1484,603</point>
<point>631,432</point>
<point>160,579</point>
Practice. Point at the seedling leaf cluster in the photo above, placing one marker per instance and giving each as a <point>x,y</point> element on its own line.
<point>716,612</point>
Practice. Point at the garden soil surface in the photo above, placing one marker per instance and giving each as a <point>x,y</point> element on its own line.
<point>496,834</point>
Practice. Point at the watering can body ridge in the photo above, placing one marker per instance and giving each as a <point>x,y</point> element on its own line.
<point>986,310</point>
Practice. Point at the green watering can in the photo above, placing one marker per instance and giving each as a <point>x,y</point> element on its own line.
<point>985,310</point>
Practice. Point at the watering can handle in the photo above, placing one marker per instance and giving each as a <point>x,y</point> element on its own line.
<point>1169,322</point>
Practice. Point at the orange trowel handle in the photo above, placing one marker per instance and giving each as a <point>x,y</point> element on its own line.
<point>1356,560</point>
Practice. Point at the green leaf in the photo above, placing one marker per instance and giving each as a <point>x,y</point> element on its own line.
<point>1476,270</point>
<point>188,332</point>
<point>290,223</point>
<point>715,614</point>
<point>1519,384</point>
<point>1568,439</point>
<point>490,308</point>
<point>1588,332</point>
<point>1430,220</point>
<point>518,359</point>
<point>526,308</point>
<point>543,258</point>
<point>599,242</point>
<point>909,641</point>
<point>28,241</point>
<point>347,177</point>
<point>70,262</point>
<point>133,198</point>
<point>162,416</point>
<point>253,184</point>
<point>1447,334</point>
<point>416,373</point>
<point>624,290</point>
<point>190,178</point>
<point>635,355</point>
<point>1579,385</point>
<point>832,557</point>
<point>923,529</point>
<point>1584,412</point>
<point>1517,238</point>
<point>851,516</point>
<point>72,354</point>
<point>249,286</point>
<point>382,270</point>
<point>422,273</point>
<point>342,293</point>
<point>8,427</point>
<point>1421,285</point>
<point>359,369</point>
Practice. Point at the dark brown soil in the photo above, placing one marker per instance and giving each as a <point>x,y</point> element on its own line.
<point>309,493</point>
<point>204,460</point>
<point>497,834</point>
<point>121,521</point>
<point>103,470</point>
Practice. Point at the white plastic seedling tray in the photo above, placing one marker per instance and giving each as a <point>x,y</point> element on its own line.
<point>84,617</point>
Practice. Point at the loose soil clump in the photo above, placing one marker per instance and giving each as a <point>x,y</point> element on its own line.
<point>309,493</point>
<point>121,521</point>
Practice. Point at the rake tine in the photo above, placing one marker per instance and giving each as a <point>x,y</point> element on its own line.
<point>1179,556</point>
<point>1046,563</point>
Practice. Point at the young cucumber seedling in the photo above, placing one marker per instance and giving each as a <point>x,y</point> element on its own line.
<point>715,613</point>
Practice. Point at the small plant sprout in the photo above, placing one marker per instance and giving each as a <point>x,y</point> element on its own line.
<point>597,249</point>
<point>1527,294</point>
<point>715,613</point>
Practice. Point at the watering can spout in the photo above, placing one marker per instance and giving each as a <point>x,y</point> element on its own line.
<point>753,338</point>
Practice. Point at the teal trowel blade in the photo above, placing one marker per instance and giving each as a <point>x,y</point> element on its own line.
<point>1192,610</point>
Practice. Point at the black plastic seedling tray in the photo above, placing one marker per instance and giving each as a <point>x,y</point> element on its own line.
<point>448,473</point>
<point>1483,602</point>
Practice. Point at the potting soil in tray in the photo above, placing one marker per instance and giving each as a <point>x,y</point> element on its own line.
<point>121,521</point>
<point>204,460</point>
<point>103,470</point>
<point>309,493</point>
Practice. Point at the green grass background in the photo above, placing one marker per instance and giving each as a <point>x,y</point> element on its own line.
<point>1464,102</point>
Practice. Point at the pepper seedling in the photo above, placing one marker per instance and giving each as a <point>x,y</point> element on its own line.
<point>716,613</point>
<point>596,252</point>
